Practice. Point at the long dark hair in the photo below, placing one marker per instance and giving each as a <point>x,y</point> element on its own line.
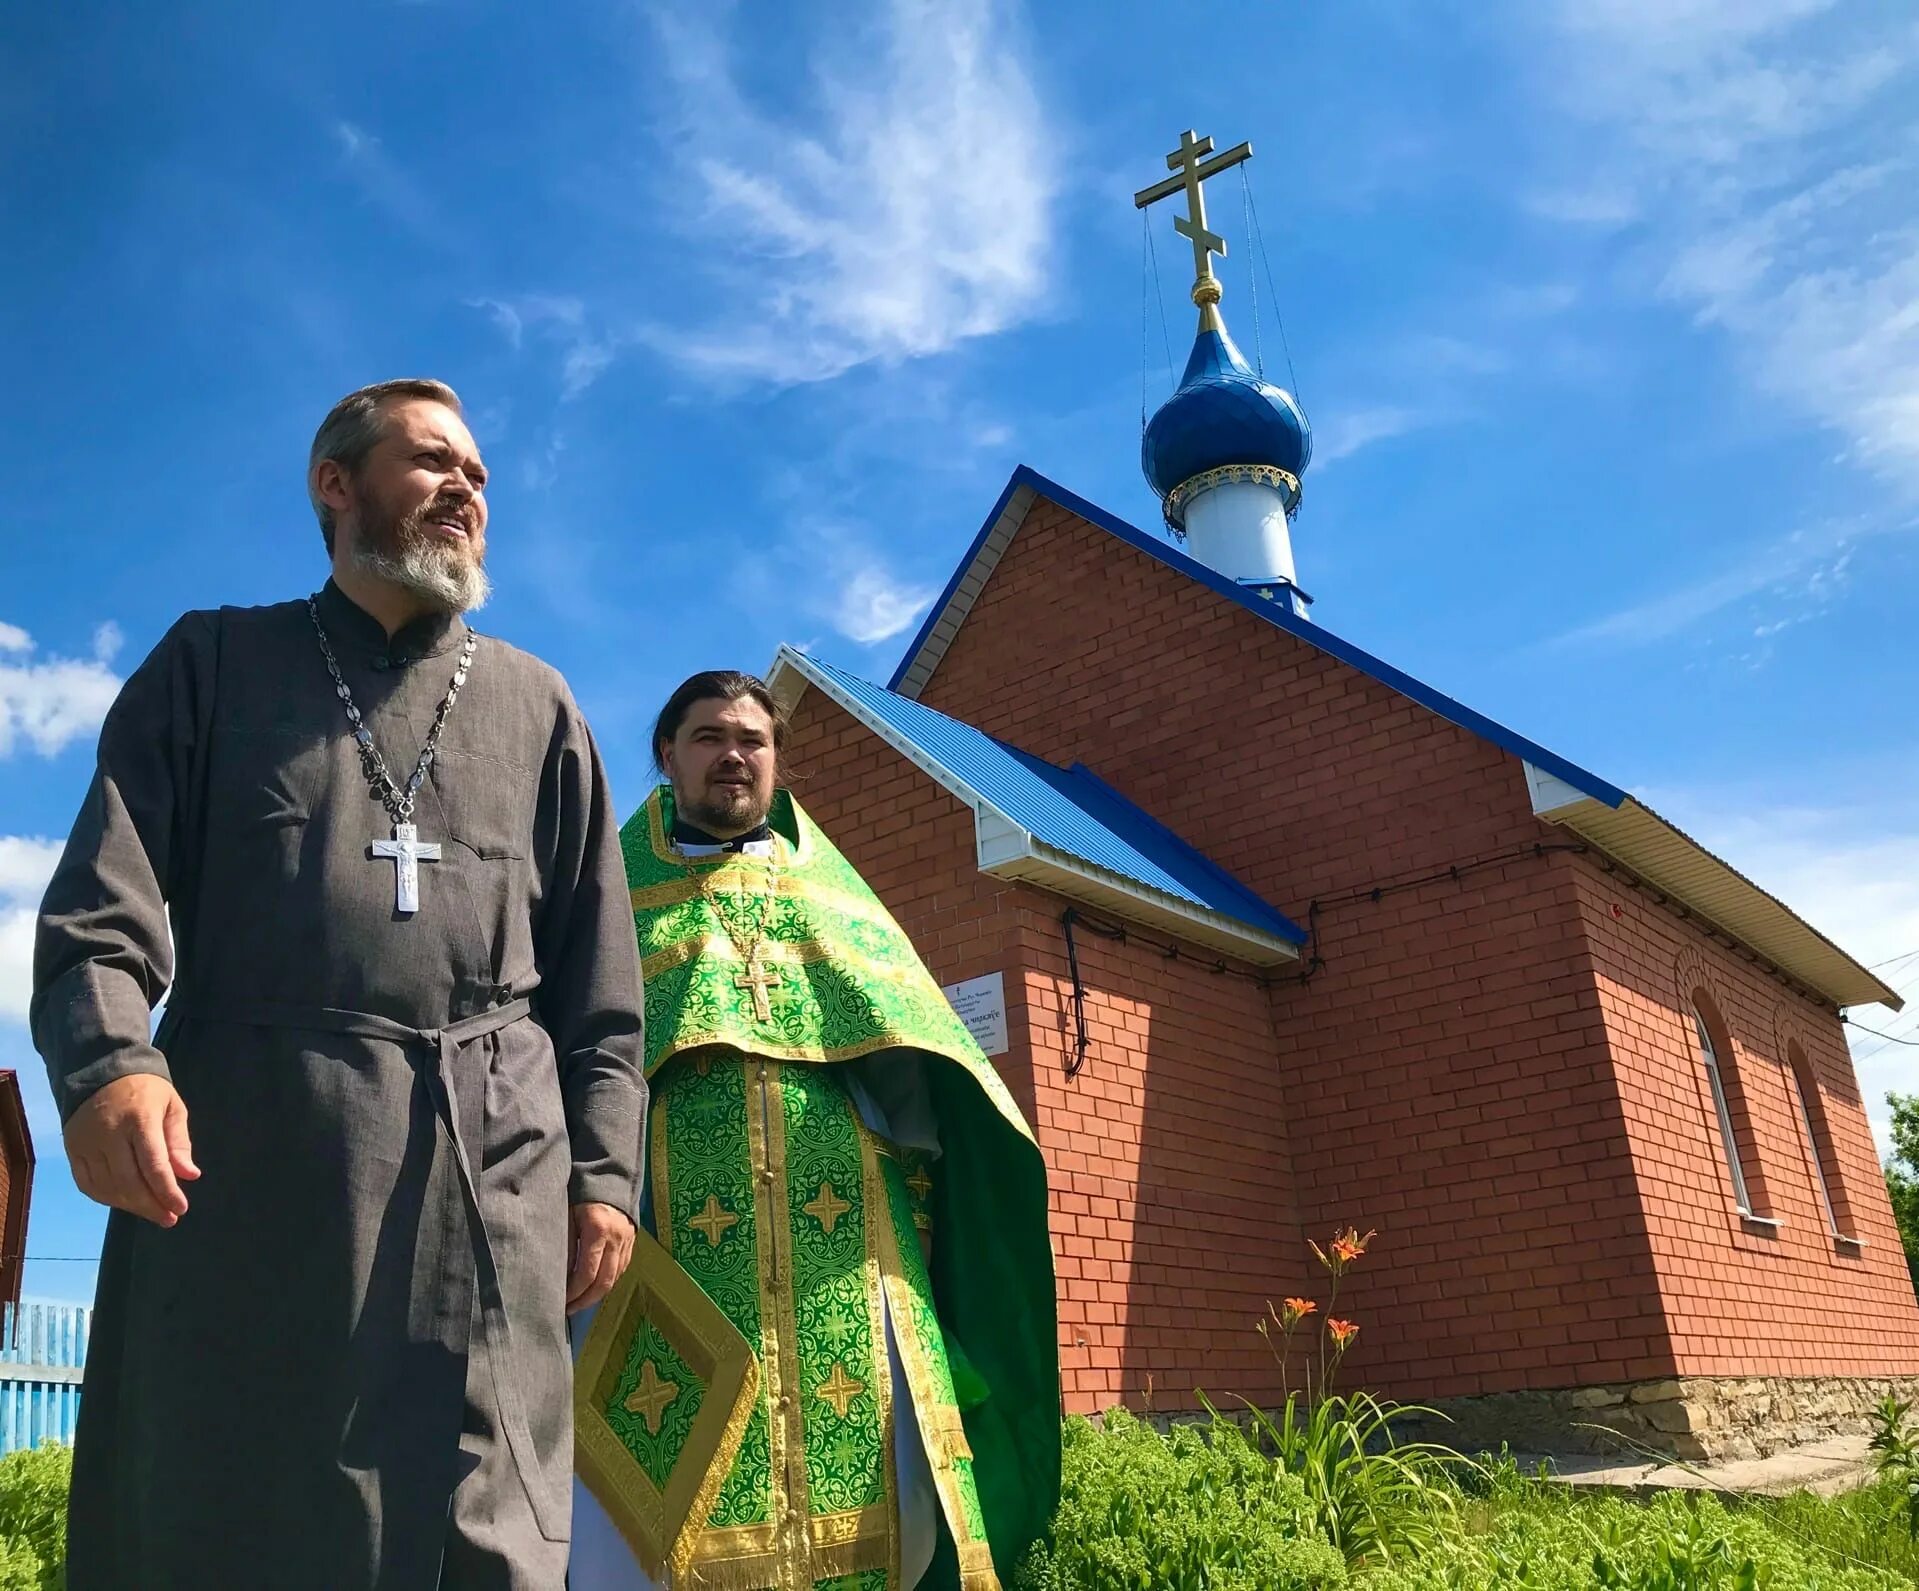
<point>714,684</point>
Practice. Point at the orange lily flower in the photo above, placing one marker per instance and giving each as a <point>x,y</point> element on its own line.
<point>1297,1309</point>
<point>1342,1332</point>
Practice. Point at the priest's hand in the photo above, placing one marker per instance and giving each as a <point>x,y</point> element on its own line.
<point>129,1149</point>
<point>602,1245</point>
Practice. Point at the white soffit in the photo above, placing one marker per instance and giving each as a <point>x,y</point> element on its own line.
<point>1671,861</point>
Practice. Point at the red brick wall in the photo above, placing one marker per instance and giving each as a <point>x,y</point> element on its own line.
<point>1446,1075</point>
<point>1443,1076</point>
<point>1745,1299</point>
<point>1170,1183</point>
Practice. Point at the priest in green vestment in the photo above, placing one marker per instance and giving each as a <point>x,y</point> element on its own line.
<point>832,1365</point>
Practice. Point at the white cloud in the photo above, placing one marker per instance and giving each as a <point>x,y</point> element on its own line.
<point>1345,434</point>
<point>555,318</point>
<point>52,702</point>
<point>1804,573</point>
<point>1733,128</point>
<point>1584,206</point>
<point>384,184</point>
<point>872,606</point>
<point>511,323</point>
<point>583,365</point>
<point>25,867</point>
<point>906,213</point>
<point>540,470</point>
<point>108,638</point>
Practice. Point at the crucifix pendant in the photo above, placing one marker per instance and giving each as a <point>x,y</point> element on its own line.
<point>405,851</point>
<point>758,979</point>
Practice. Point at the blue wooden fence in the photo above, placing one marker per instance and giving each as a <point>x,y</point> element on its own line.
<point>42,1348</point>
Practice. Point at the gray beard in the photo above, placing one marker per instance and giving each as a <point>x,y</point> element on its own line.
<point>439,576</point>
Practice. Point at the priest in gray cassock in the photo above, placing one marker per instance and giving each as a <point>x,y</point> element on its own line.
<point>389,1131</point>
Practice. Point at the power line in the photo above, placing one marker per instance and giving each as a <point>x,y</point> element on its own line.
<point>1890,1038</point>
<point>63,1259</point>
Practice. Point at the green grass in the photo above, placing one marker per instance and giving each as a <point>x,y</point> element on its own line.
<point>33,1518</point>
<point>1210,1508</point>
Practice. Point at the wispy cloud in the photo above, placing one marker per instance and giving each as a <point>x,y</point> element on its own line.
<point>25,867</point>
<point>830,570</point>
<point>1805,572</point>
<point>873,606</point>
<point>1344,434</point>
<point>1584,206</point>
<point>382,183</point>
<point>904,214</point>
<point>47,703</point>
<point>1734,128</point>
<point>586,349</point>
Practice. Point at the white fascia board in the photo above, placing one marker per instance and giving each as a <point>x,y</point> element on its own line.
<point>966,591</point>
<point>786,679</point>
<point>1068,875</point>
<point>998,839</point>
<point>1714,891</point>
<point>1552,797</point>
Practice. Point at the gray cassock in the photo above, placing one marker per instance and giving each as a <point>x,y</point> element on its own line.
<point>347,1366</point>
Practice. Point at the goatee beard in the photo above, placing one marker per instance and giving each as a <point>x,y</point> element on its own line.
<point>739,817</point>
<point>403,552</point>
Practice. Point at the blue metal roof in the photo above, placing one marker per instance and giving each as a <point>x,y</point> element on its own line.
<point>1068,809</point>
<point>1275,613</point>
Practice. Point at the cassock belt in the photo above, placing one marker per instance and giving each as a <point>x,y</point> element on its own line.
<point>446,1043</point>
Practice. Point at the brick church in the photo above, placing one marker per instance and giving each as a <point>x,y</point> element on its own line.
<point>1269,937</point>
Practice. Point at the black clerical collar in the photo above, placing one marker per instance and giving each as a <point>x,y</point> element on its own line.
<point>351,628</point>
<point>697,842</point>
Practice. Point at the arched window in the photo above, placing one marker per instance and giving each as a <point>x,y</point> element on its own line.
<point>1727,1137</point>
<point>1828,1178</point>
<point>1729,1106</point>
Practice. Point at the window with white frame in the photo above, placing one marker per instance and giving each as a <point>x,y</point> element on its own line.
<point>1822,1151</point>
<point>1711,1057</point>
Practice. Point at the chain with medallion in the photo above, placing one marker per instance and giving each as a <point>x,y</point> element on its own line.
<point>755,977</point>
<point>405,850</point>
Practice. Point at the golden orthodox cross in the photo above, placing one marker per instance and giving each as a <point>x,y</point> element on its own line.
<point>1192,170</point>
<point>758,978</point>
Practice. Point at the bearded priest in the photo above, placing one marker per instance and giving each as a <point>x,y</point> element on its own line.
<point>832,1362</point>
<point>390,1127</point>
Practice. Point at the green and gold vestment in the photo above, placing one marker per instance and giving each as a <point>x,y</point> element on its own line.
<point>734,1399</point>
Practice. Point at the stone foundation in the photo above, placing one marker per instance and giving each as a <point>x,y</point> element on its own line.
<point>1692,1417</point>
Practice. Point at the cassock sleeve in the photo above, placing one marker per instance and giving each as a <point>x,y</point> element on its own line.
<point>589,997</point>
<point>102,955</point>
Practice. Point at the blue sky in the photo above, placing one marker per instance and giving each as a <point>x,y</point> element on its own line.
<point>1606,314</point>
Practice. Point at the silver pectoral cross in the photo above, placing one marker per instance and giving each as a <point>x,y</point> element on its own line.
<point>405,851</point>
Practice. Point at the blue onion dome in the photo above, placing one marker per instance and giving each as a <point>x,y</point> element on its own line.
<point>1224,418</point>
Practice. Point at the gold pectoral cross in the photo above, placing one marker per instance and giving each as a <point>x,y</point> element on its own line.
<point>758,978</point>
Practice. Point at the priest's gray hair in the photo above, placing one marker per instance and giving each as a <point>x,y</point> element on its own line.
<point>353,428</point>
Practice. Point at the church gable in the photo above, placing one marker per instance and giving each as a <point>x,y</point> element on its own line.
<point>1272,755</point>
<point>1226,714</point>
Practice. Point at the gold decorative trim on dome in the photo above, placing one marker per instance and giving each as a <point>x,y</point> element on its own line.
<point>1182,495</point>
